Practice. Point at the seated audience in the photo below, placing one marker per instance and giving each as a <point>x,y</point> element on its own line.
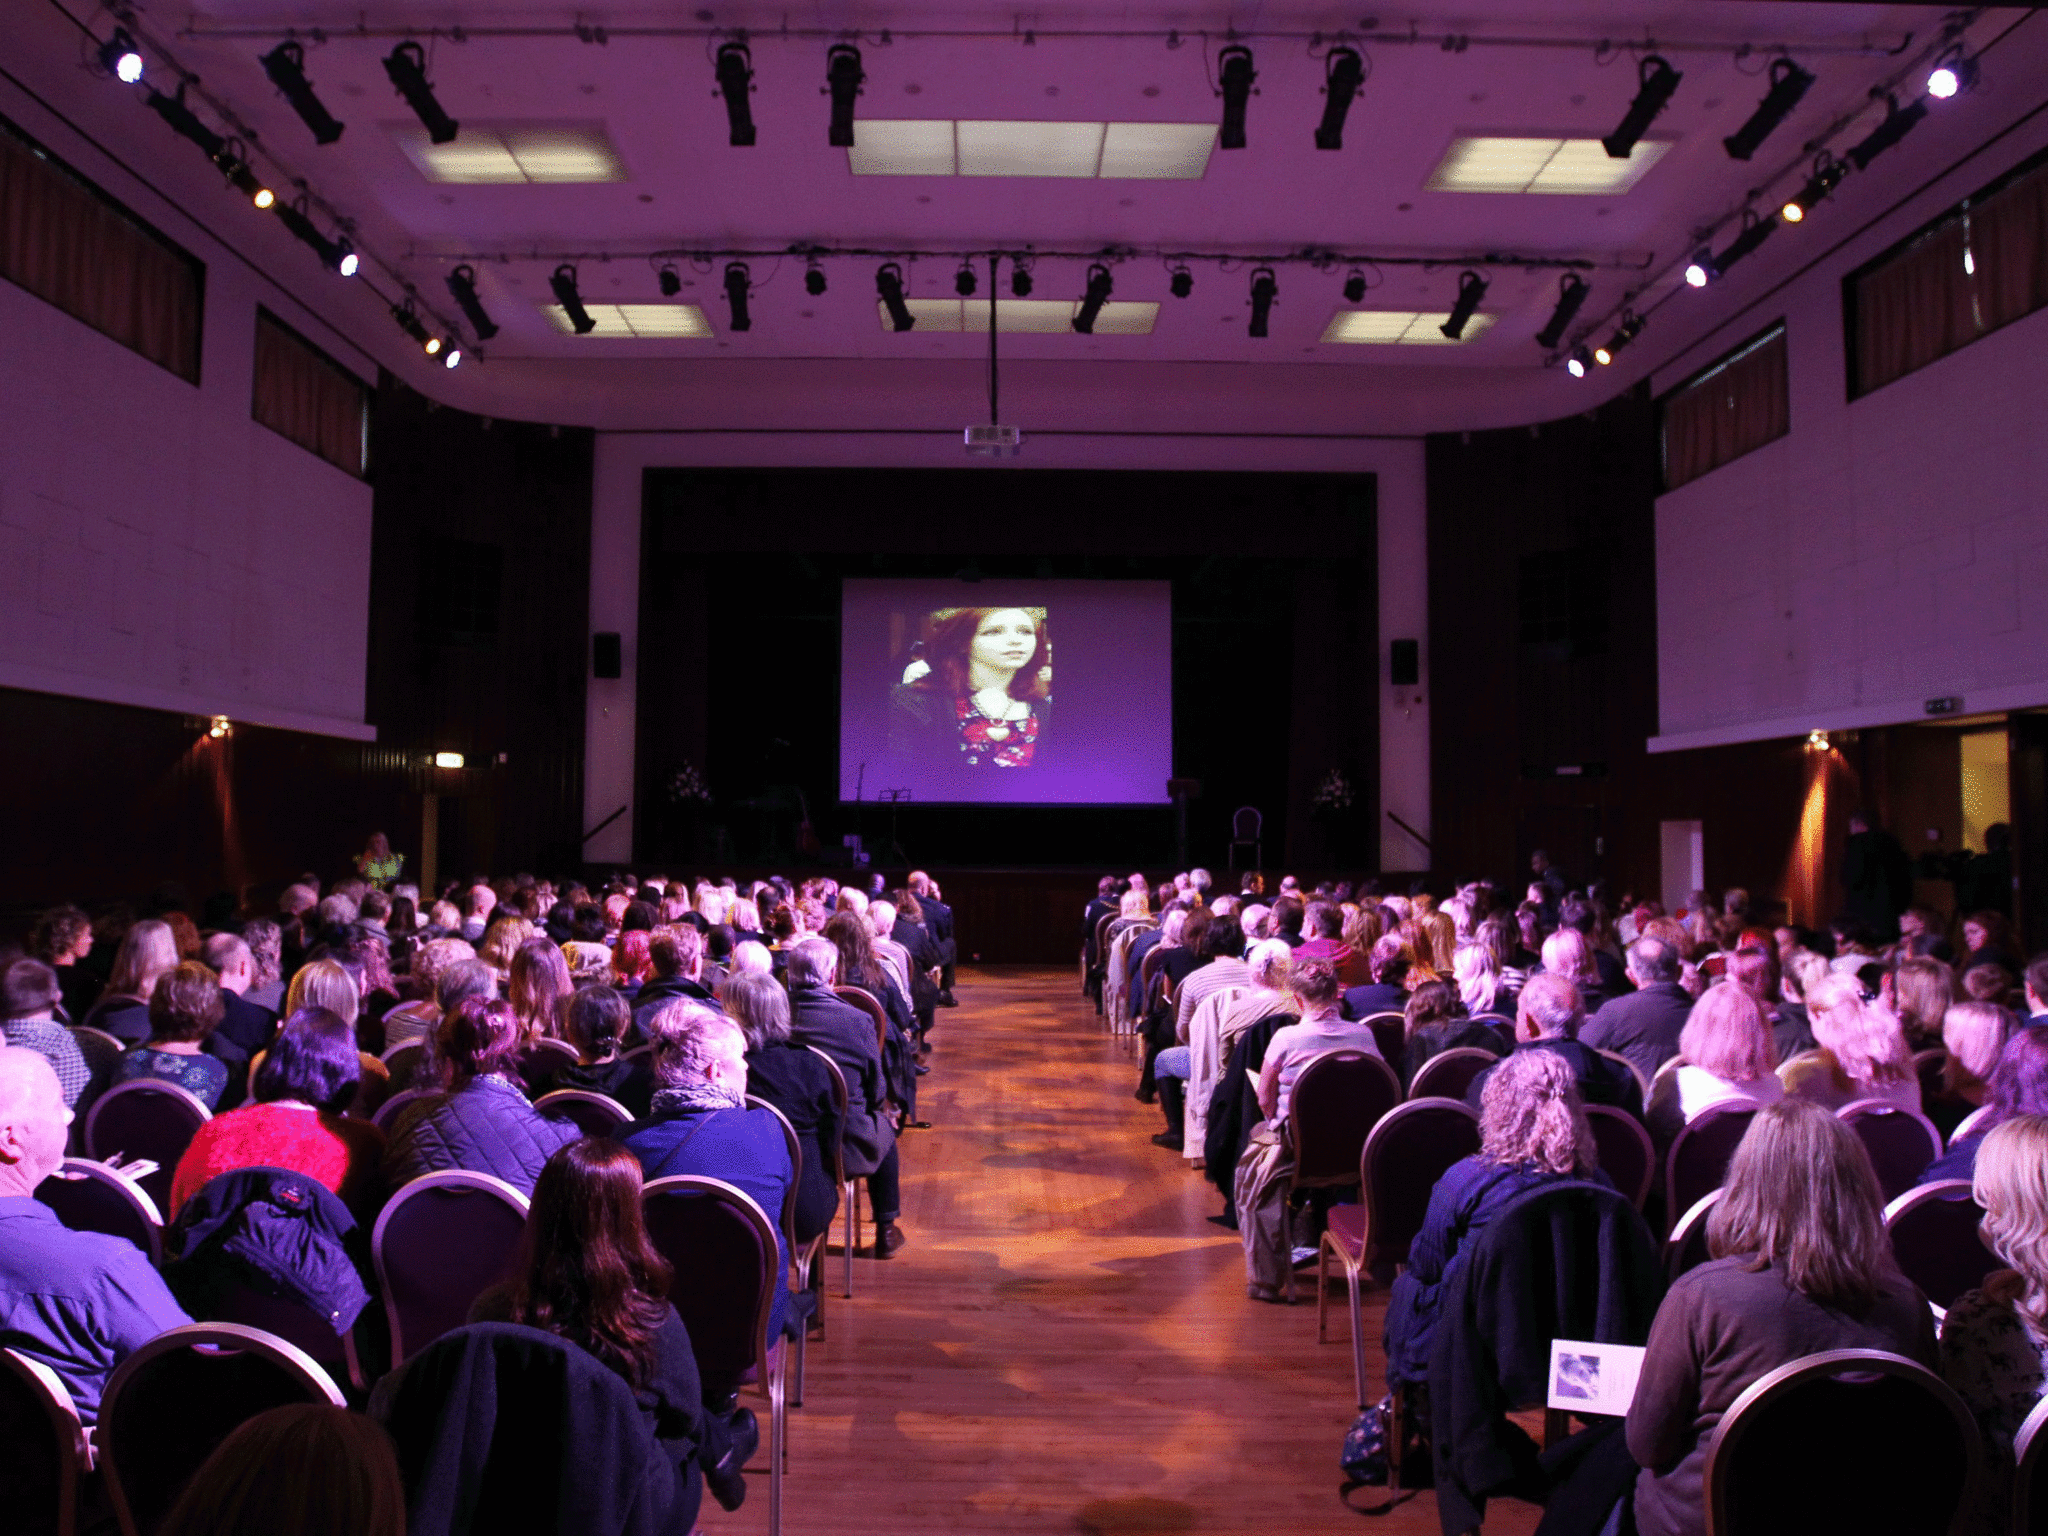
<point>183,1012</point>
<point>1726,1055</point>
<point>1476,970</point>
<point>29,999</point>
<point>1920,992</point>
<point>61,938</point>
<point>847,1035</point>
<point>1974,1035</point>
<point>596,1022</point>
<point>419,1008</point>
<point>1323,1028</point>
<point>1569,954</point>
<point>2019,1086</point>
<point>1643,1025</point>
<point>327,984</point>
<point>1386,992</point>
<point>148,951</point>
<point>78,1302</point>
<point>1801,1265</point>
<point>1548,1017</point>
<point>538,988</point>
<point>675,957</point>
<point>1434,1025</point>
<point>1863,1052</point>
<point>244,1025</point>
<point>308,1468</point>
<point>790,1077</point>
<point>2036,990</point>
<point>480,1120</point>
<point>1532,1132</point>
<point>1324,925</point>
<point>266,951</point>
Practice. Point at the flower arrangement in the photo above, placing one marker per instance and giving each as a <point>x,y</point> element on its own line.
<point>1333,795</point>
<point>687,784</point>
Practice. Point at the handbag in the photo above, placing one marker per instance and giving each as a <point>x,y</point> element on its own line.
<point>1367,1455</point>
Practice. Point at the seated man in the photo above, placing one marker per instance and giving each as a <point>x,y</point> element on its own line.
<point>29,996</point>
<point>1644,1025</point>
<point>80,1302</point>
<point>1548,1016</point>
<point>677,956</point>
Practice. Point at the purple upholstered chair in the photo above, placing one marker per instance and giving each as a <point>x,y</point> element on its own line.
<point>1935,1238</point>
<point>440,1243</point>
<point>1901,1143</point>
<point>145,1118</point>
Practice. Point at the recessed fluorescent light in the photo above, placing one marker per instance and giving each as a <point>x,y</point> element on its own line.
<point>513,153</point>
<point>1398,327</point>
<point>1073,151</point>
<point>1047,317</point>
<point>645,322</point>
<point>1504,163</point>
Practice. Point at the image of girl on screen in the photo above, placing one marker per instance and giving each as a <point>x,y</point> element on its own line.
<point>987,697</point>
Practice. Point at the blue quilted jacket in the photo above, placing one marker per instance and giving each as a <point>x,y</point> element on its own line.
<point>485,1126</point>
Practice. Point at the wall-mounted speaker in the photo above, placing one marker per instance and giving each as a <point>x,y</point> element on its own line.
<point>606,659</point>
<point>1405,663</point>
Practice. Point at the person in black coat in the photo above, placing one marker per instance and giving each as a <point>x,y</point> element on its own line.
<point>796,1082</point>
<point>596,1023</point>
<point>1877,878</point>
<point>1384,993</point>
<point>1548,1016</point>
<point>676,954</point>
<point>1643,1025</point>
<point>847,1035</point>
<point>938,922</point>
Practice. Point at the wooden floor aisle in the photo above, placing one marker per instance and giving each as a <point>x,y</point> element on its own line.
<point>1065,1345</point>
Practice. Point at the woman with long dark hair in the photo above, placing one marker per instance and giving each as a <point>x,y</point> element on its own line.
<point>587,1273</point>
<point>988,695</point>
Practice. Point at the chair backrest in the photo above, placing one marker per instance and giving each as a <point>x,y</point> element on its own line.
<point>174,1400</point>
<point>1845,1409</point>
<point>839,1101</point>
<point>102,1053</point>
<point>1389,1033</point>
<point>91,1197</point>
<point>594,1114</point>
<point>1927,1066</point>
<point>1406,1153</point>
<point>1901,1143</point>
<point>46,1448</point>
<point>145,1118</point>
<point>1686,1247</point>
<point>868,1004</point>
<point>2030,1475</point>
<point>441,1241</point>
<point>640,1053</point>
<point>1935,1238</point>
<point>1699,1155</point>
<point>1337,1099</point>
<point>1626,1153</point>
<point>796,1170</point>
<point>1969,1125</point>
<point>389,1111</point>
<point>1448,1074</point>
<point>722,1246</point>
<point>1642,1082</point>
<point>403,1061</point>
<point>1246,823</point>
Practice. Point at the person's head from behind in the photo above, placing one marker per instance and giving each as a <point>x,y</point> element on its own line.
<point>596,1020</point>
<point>325,984</point>
<point>1271,962</point>
<point>1652,963</point>
<point>1315,985</point>
<point>1864,1037</point>
<point>308,1468</point>
<point>1323,920</point>
<point>1566,953</point>
<point>1431,1003</point>
<point>1288,913</point>
<point>1549,1008</point>
<point>229,957</point>
<point>479,1036</point>
<point>34,1120</point>
<point>813,963</point>
<point>1728,1035</point>
<point>312,1061</point>
<point>759,1006</point>
<point>1530,1113</point>
<point>1974,1035</point>
<point>28,990</point>
<point>676,951</point>
<point>2019,1083</point>
<point>2011,1183</point>
<point>1477,975</point>
<point>464,979</point>
<point>1802,1198</point>
<point>538,986</point>
<point>696,1046</point>
<point>147,951</point>
<point>185,1006</point>
<point>1921,992</point>
<point>1222,938</point>
<point>2037,984</point>
<point>1390,960</point>
<point>881,918</point>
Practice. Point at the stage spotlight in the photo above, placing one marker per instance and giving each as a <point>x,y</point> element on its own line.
<point>1234,68</point>
<point>286,66</point>
<point>1471,289</point>
<point>220,727</point>
<point>736,289</point>
<point>1343,74</point>
<point>814,279</point>
<point>735,80</point>
<point>1630,328</point>
<point>462,288</point>
<point>964,281</point>
<point>1755,232</point>
<point>563,281</point>
<point>1182,283</point>
<point>1898,122</point>
<point>843,77</point>
<point>453,356</point>
<point>1701,270</point>
<point>184,122</point>
<point>1571,293</point>
<point>1827,175</point>
<point>889,284</point>
<point>1656,81</point>
<point>337,254</point>
<point>235,166</point>
<point>669,280</point>
<point>344,258</point>
<point>1354,287</point>
<point>407,66</point>
<point>1952,74</point>
<point>1265,289</point>
<point>409,322</point>
<point>1788,83</point>
<point>1579,363</point>
<point>123,60</point>
<point>1100,286</point>
<point>1020,280</point>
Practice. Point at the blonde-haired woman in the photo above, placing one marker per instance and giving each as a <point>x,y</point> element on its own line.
<point>539,989</point>
<point>1975,1035</point>
<point>1994,1341</point>
<point>1863,1052</point>
<point>1441,930</point>
<point>1478,977</point>
<point>325,984</point>
<point>1567,953</point>
<point>507,936</point>
<point>1725,1055</point>
<point>1532,1132</point>
<point>148,952</point>
<point>1920,991</point>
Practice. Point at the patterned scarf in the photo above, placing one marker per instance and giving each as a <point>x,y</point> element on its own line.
<point>691,1098</point>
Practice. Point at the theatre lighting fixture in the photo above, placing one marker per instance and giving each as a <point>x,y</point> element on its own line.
<point>1701,270</point>
<point>184,122</point>
<point>889,284</point>
<point>1234,69</point>
<point>1354,287</point>
<point>407,66</point>
<point>1265,289</point>
<point>409,322</point>
<point>452,357</point>
<point>814,278</point>
<point>286,66</point>
<point>336,254</point>
<point>1181,283</point>
<point>1100,285</point>
<point>1755,231</point>
<point>220,728</point>
<point>1656,80</point>
<point>234,165</point>
<point>737,286</point>
<point>1953,73</point>
<point>668,280</point>
<point>1827,175</point>
<point>1788,83</point>
<point>1630,328</point>
<point>1471,290</point>
<point>964,281</point>
<point>342,257</point>
<point>1571,293</point>
<point>462,288</point>
<point>843,77</point>
<point>1817,741</point>
<point>563,281</point>
<point>122,59</point>
<point>735,80</point>
<point>1579,364</point>
<point>1343,74</point>
<point>1020,280</point>
<point>1898,122</point>
<point>447,759</point>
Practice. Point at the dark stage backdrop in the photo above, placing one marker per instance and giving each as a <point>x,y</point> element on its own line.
<point>1275,635</point>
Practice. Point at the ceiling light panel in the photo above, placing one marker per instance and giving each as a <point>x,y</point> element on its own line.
<point>513,153</point>
<point>1156,151</point>
<point>1072,151</point>
<point>1398,327</point>
<point>1505,163</point>
<point>1058,151</point>
<point>638,322</point>
<point>902,147</point>
<point>1024,317</point>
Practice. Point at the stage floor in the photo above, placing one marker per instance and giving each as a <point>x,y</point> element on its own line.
<point>1065,1345</point>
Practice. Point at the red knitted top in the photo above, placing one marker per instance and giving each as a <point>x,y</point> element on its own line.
<point>342,1154</point>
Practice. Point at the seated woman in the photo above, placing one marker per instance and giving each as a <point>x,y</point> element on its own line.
<point>480,1120</point>
<point>587,1273</point>
<point>1975,1035</point>
<point>1726,1054</point>
<point>415,1016</point>
<point>148,951</point>
<point>597,1020</point>
<point>330,985</point>
<point>183,1011</point>
<point>538,987</point>
<point>1862,1055</point>
<point>1532,1131</point>
<point>2019,1086</point>
<point>1433,1024</point>
<point>309,1468</point>
<point>304,1082</point>
<point>795,1081</point>
<point>1994,1341</point>
<point>1476,969</point>
<point>1920,991</point>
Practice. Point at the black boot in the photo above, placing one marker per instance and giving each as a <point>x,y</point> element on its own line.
<point>1172,1096</point>
<point>727,1481</point>
<point>888,1238</point>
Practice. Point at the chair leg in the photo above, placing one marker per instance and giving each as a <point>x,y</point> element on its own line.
<point>796,1399</point>
<point>778,1448</point>
<point>1351,1280</point>
<point>1322,1290</point>
<point>851,1197</point>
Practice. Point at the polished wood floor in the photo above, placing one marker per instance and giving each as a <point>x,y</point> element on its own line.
<point>1065,1345</point>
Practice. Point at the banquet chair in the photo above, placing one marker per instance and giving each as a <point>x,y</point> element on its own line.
<point>440,1242</point>
<point>1900,1142</point>
<point>1448,1074</point>
<point>849,1186</point>
<point>145,1118</point>
<point>389,1111</point>
<point>868,1004</point>
<point>403,1062</point>
<point>1389,1033</point>
<point>91,1197</point>
<point>102,1053</point>
<point>47,1449</point>
<point>799,1275</point>
<point>1686,1247</point>
<point>1626,1153</point>
<point>594,1114</point>
<point>1699,1155</point>
<point>2030,1474</point>
<point>1935,1237</point>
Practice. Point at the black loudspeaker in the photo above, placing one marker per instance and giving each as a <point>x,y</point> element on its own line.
<point>1405,664</point>
<point>605,659</point>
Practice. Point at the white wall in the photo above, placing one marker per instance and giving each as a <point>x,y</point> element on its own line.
<point>1888,550</point>
<point>157,547</point>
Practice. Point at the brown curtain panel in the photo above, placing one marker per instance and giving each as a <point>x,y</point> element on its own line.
<point>306,396</point>
<point>2009,239</point>
<point>1743,405</point>
<point>68,245</point>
